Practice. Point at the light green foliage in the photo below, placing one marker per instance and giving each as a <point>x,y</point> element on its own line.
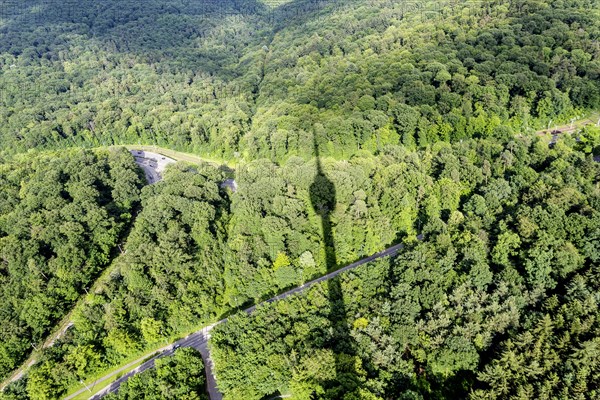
<point>282,260</point>
<point>83,359</point>
<point>41,383</point>
<point>120,342</point>
<point>590,140</point>
<point>151,330</point>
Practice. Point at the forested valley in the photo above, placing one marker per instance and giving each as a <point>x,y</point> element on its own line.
<point>236,77</point>
<point>349,126</point>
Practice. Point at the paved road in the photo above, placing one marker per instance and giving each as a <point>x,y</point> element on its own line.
<point>153,164</point>
<point>384,253</point>
<point>199,339</point>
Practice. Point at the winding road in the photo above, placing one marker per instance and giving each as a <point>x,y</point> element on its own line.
<point>199,340</point>
<point>153,164</point>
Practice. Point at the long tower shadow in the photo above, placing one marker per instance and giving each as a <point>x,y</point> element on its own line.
<point>323,199</point>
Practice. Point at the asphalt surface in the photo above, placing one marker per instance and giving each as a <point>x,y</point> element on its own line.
<point>199,340</point>
<point>153,164</point>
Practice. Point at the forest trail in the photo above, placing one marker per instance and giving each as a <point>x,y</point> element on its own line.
<point>199,339</point>
<point>142,155</point>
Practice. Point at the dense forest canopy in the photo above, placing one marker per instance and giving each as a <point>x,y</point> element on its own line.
<point>510,229</point>
<point>245,77</point>
<point>180,376</point>
<point>61,215</point>
<point>168,279</point>
<point>353,125</point>
<point>499,301</point>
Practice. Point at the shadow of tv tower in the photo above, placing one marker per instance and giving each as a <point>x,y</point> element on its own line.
<point>323,199</point>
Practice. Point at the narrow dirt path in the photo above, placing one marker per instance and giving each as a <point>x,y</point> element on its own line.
<point>153,164</point>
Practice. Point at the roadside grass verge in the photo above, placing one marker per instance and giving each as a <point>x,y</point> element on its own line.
<point>176,155</point>
<point>113,373</point>
<point>96,387</point>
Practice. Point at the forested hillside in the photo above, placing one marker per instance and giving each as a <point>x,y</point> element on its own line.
<point>511,234</point>
<point>195,252</point>
<point>499,301</point>
<point>61,216</point>
<point>352,125</point>
<point>238,76</point>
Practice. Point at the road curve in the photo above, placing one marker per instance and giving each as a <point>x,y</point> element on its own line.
<point>199,339</point>
<point>153,164</point>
